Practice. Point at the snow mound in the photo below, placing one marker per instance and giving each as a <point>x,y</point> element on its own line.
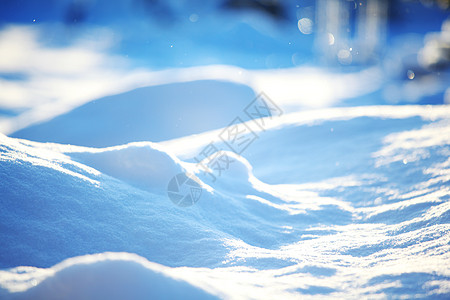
<point>321,201</point>
<point>72,209</point>
<point>100,276</point>
<point>234,174</point>
<point>154,113</point>
<point>18,152</point>
<point>145,165</point>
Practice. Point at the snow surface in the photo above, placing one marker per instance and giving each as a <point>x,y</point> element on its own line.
<point>51,85</point>
<point>104,276</point>
<point>333,202</point>
<point>96,118</point>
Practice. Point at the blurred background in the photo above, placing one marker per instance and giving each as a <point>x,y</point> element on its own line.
<point>247,33</point>
<point>56,55</point>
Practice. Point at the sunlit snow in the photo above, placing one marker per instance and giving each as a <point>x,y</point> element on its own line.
<point>122,175</point>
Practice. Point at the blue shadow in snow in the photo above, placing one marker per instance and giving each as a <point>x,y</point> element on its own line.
<point>154,114</point>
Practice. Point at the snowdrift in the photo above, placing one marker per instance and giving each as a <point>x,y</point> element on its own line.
<point>154,113</point>
<point>101,276</point>
<point>317,205</point>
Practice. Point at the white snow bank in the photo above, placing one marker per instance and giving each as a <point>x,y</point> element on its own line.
<point>145,165</point>
<point>189,146</point>
<point>154,113</point>
<point>236,177</point>
<point>101,276</point>
<point>54,207</point>
<point>308,210</point>
<point>47,90</point>
<point>15,151</point>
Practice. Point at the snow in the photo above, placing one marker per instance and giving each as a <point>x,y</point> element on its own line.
<point>274,223</point>
<point>343,193</point>
<point>51,85</point>
<point>145,165</point>
<point>102,276</point>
